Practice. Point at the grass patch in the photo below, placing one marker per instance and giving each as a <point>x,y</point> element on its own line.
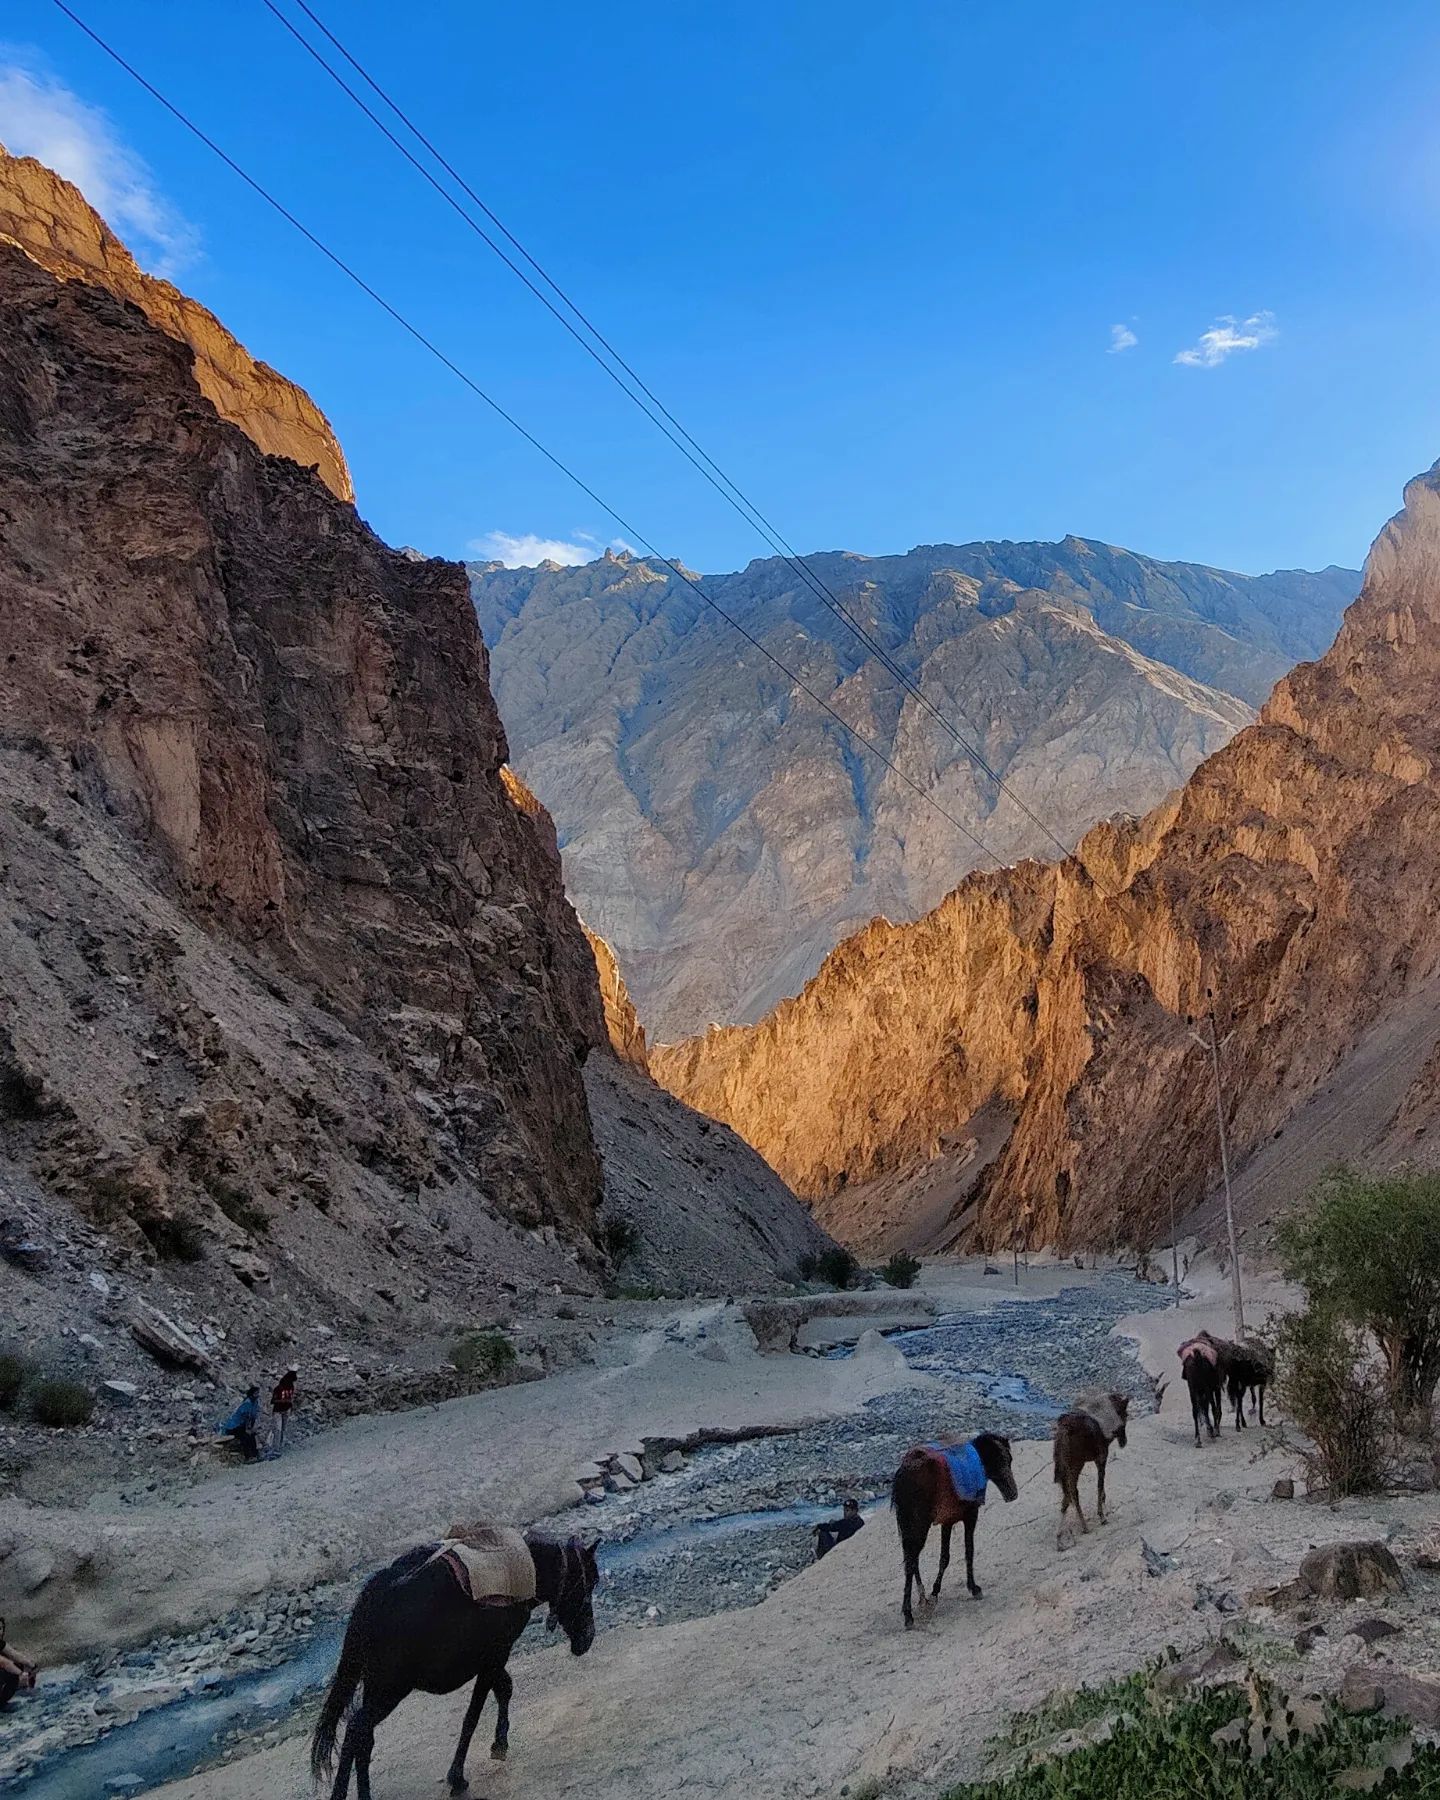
<point>13,1372</point>
<point>483,1354</point>
<point>1232,1742</point>
<point>61,1402</point>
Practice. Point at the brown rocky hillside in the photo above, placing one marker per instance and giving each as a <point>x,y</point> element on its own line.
<point>294,1011</point>
<point>1018,1064</point>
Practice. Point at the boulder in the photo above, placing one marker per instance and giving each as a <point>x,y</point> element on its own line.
<point>168,1342</point>
<point>1371,1631</point>
<point>671,1463</point>
<point>1351,1571</point>
<point>1284,1489</point>
<point>123,1393</point>
<point>623,1463</point>
<point>1360,1692</point>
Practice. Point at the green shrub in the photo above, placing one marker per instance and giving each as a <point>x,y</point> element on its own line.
<point>60,1402</point>
<point>808,1266</point>
<point>902,1270</point>
<point>13,1370</point>
<point>837,1266</point>
<point>1336,1399</point>
<point>483,1354</point>
<point>1367,1249</point>
<point>1229,1743</point>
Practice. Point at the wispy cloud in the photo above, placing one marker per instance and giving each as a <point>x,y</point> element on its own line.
<point>1121,338</point>
<point>1225,337</point>
<point>524,549</point>
<point>41,117</point>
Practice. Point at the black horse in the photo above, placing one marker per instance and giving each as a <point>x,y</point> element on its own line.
<point>414,1626</point>
<point>923,1495</point>
<point>1200,1370</point>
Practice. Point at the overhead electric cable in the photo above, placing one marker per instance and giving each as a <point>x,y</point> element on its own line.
<point>650,404</point>
<point>529,437</point>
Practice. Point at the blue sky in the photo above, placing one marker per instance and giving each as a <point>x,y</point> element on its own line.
<point>874,258</point>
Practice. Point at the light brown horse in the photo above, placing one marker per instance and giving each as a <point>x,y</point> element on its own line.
<point>923,1495</point>
<point>1085,1436</point>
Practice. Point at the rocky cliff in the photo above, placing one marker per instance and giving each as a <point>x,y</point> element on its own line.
<point>290,983</point>
<point>1018,1063</point>
<point>52,222</point>
<point>723,832</point>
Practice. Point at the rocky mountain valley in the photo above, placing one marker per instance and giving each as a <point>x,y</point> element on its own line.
<point>1021,1064</point>
<point>723,833</point>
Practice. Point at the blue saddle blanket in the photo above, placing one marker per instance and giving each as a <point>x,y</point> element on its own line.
<point>966,1469</point>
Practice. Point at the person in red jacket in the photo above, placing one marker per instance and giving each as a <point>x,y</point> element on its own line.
<point>282,1404</point>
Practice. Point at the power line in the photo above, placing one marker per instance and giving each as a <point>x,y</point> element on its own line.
<point>529,437</point>
<point>650,404</point>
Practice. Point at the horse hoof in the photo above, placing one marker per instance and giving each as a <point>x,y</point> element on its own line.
<point>498,1752</point>
<point>909,1624</point>
<point>462,1786</point>
<point>975,1593</point>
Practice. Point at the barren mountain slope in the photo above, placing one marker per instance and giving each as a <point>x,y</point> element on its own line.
<point>723,832</point>
<point>1295,875</point>
<point>52,221</point>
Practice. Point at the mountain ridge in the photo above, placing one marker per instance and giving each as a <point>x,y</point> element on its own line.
<point>723,833</point>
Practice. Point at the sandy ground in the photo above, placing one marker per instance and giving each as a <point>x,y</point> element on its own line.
<point>820,1686</point>
<point>78,1578</point>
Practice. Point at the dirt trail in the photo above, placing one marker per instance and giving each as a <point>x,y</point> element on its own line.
<point>820,1685</point>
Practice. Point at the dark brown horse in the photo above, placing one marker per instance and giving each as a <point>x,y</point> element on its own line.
<point>1085,1436</point>
<point>923,1495</point>
<point>415,1626</point>
<point>1246,1368</point>
<point>1200,1371</point>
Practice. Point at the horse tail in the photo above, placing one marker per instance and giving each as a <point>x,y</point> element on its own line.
<point>1059,1472</point>
<point>337,1698</point>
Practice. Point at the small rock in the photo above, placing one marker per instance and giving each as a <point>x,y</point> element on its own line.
<point>1359,1693</point>
<point>1306,1638</point>
<point>1370,1631</point>
<point>671,1463</point>
<point>1284,1489</point>
<point>625,1464</point>
<point>1352,1571</point>
<point>123,1393</point>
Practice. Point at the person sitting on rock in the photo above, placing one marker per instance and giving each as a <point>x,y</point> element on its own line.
<point>16,1671</point>
<point>242,1425</point>
<point>831,1532</point>
<point>282,1404</point>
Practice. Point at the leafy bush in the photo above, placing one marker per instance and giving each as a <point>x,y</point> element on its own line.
<point>1248,1743</point>
<point>483,1354</point>
<point>61,1402</point>
<point>901,1270</point>
<point>1336,1399</point>
<point>13,1370</point>
<point>619,1239</point>
<point>837,1266</point>
<point>1367,1248</point>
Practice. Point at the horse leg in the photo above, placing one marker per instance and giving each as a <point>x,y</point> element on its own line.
<point>1100,1485</point>
<point>504,1687</point>
<point>912,1542</point>
<point>970,1581</point>
<point>455,1774</point>
<point>945,1531</point>
<point>1260,1393</point>
<point>346,1762</point>
<point>374,1709</point>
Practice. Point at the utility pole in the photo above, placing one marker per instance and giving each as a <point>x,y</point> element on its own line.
<point>1174,1248</point>
<point>1236,1300</point>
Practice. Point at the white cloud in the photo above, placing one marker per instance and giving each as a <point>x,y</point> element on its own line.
<point>1225,337</point>
<point>40,117</point>
<point>1121,338</point>
<point>525,549</point>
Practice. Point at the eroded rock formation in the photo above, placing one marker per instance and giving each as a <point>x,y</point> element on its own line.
<point>53,223</point>
<point>1018,1063</point>
<point>723,832</point>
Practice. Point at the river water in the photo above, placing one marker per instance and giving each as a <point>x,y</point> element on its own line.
<point>723,1532</point>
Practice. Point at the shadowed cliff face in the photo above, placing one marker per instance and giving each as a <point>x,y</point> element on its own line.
<point>56,226</point>
<point>214,678</point>
<point>1296,875</point>
<point>724,833</point>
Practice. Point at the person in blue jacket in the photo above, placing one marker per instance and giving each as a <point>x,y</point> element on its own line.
<point>242,1427</point>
